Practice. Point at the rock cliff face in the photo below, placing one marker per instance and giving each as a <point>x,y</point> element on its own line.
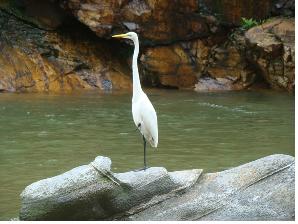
<point>37,60</point>
<point>178,65</point>
<point>155,21</point>
<point>57,45</point>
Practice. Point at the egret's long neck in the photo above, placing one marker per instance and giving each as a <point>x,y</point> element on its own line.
<point>135,72</point>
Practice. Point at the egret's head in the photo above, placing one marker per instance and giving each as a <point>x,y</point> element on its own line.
<point>130,35</point>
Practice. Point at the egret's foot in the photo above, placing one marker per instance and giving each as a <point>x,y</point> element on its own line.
<point>142,169</point>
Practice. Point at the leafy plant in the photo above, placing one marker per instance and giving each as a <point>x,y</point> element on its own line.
<point>248,23</point>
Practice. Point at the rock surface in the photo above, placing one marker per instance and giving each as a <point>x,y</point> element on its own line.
<point>178,65</point>
<point>93,192</point>
<point>264,53</point>
<point>209,64</point>
<point>155,21</point>
<point>271,46</point>
<point>260,190</point>
<point>283,7</point>
<point>231,11</point>
<point>229,68</point>
<point>208,84</point>
<point>47,46</point>
<point>36,60</point>
<point>44,14</point>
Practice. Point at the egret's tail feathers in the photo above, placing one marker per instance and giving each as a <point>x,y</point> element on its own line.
<point>153,143</point>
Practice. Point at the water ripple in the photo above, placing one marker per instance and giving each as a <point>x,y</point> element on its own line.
<point>236,109</point>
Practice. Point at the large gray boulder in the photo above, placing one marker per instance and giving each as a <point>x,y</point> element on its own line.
<point>260,190</point>
<point>92,191</point>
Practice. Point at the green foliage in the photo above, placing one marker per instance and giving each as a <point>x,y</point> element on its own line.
<point>248,23</point>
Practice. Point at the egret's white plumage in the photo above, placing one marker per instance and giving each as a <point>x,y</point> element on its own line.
<point>145,118</point>
<point>143,112</point>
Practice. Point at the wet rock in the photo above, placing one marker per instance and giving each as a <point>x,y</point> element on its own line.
<point>271,48</point>
<point>36,60</point>
<point>155,21</point>
<point>260,190</point>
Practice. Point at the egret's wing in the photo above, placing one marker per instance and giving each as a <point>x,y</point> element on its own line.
<point>149,120</point>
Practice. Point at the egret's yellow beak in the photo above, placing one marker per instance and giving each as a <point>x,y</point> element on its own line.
<point>120,36</point>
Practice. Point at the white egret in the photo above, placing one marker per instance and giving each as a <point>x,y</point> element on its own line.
<point>144,115</point>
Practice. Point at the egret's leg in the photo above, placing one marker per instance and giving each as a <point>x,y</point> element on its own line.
<point>145,164</point>
<point>145,161</point>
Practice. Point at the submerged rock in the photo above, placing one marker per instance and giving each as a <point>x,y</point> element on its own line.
<point>259,190</point>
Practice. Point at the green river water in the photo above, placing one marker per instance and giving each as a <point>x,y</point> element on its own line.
<point>44,135</point>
